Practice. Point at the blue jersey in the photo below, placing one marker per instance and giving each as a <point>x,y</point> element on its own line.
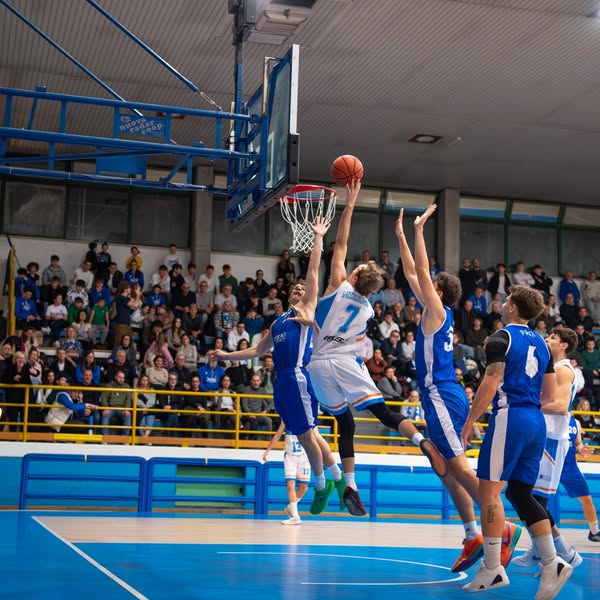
<point>573,431</point>
<point>522,386</point>
<point>434,354</point>
<point>291,342</point>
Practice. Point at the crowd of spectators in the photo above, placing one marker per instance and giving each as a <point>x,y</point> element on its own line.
<point>157,329</point>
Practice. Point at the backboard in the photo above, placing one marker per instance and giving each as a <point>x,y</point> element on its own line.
<point>272,136</point>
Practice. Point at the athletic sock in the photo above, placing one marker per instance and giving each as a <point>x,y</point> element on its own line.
<point>293,506</point>
<point>545,544</point>
<point>593,527</point>
<point>491,551</point>
<point>561,545</point>
<point>471,530</point>
<point>320,481</point>
<point>335,472</point>
<point>416,439</point>
<point>350,481</point>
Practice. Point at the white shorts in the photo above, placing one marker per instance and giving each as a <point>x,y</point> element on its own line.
<point>342,381</point>
<point>296,467</point>
<point>551,467</point>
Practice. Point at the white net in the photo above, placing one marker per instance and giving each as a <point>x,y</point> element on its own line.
<point>301,207</point>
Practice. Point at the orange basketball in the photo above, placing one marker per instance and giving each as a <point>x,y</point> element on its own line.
<point>345,168</point>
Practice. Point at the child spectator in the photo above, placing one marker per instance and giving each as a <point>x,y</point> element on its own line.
<point>78,291</point>
<point>135,257</point>
<point>74,310</point>
<point>54,270</point>
<point>99,321</point>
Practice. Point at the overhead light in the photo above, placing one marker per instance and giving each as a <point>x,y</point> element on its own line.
<point>425,138</point>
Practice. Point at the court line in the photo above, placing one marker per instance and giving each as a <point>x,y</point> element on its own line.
<point>94,563</point>
<point>458,577</point>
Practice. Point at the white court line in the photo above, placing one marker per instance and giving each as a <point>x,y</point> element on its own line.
<point>98,566</point>
<point>458,577</point>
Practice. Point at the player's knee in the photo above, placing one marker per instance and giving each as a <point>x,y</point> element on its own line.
<point>346,426</point>
<point>528,508</point>
<point>382,412</point>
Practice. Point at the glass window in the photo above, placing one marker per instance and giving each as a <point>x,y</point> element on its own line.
<point>160,219</point>
<point>97,214</point>
<point>541,213</point>
<point>390,241</point>
<point>484,241</point>
<point>250,240</point>
<point>280,232</point>
<point>367,198</point>
<point>577,215</point>
<point>395,200</point>
<point>364,235</point>
<point>533,245</point>
<point>34,209</point>
<point>482,207</point>
<point>579,251</point>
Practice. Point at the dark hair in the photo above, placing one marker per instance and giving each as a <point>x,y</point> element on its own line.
<point>80,282</point>
<point>567,336</point>
<point>529,302</point>
<point>54,257</point>
<point>92,245</point>
<point>450,288</point>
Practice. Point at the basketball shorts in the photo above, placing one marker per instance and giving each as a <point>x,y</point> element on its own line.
<point>295,400</point>
<point>572,478</point>
<point>513,445</point>
<point>446,409</point>
<point>296,467</point>
<point>342,381</point>
<point>551,467</point>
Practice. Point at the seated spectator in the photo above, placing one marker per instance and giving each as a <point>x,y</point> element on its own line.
<point>500,283</point>
<point>278,311</point>
<point>398,315</point>
<point>495,314</point>
<point>414,411</point>
<point>171,402</point>
<point>78,291</point>
<point>245,290</point>
<point>193,324</point>
<point>260,285</point>
<point>176,277</point>
<point>584,319</point>
<point>146,401</point>
<point>158,346</point>
<point>269,302</point>
<point>521,276</point>
<point>376,365</point>
<point>165,316</point>
<point>50,290</point>
<point>225,403</point>
<point>391,295</point>
<point>205,300</point>
<point>377,297</point>
<point>91,396</point>
<point>286,269</point>
<point>211,374</point>
<point>411,310</point>
<point>266,371</point>
<point>88,362</point>
<point>219,344</point>
<point>253,322</point>
<point>569,286</point>
<point>479,302</point>
<point>122,364</point>
<point>43,398</point>
<point>553,309</point>
<point>590,295</point>
<point>162,280</point>
<point>255,409</point>
<point>282,291</point>
<point>479,274</point>
<point>225,295</point>
<point>99,291</point>
<point>463,317</point>
<point>156,297</point>
<point>83,330</point>
<point>36,367</point>
<point>56,317</point>
<point>226,320</point>
<point>26,311</point>
<point>62,366</point>
<point>390,387</point>
<point>71,345</point>
<point>184,375</point>
<point>99,322</point>
<point>73,412</point>
<point>134,257</point>
<point>391,349</point>
<point>199,419</point>
<point>388,324</point>
<point>157,374</point>
<point>134,276</point>
<point>585,420</point>
<point>212,281</point>
<point>235,335</point>
<point>182,299</point>
<point>240,373</point>
<point>475,337</point>
<point>540,328</point>
<point>74,310</point>
<point>54,270</point>
<point>117,405</point>
<point>408,347</point>
<point>434,269</point>
<point>85,274</point>
<point>173,336</point>
<point>113,279</point>
<point>189,352</point>
<point>568,311</point>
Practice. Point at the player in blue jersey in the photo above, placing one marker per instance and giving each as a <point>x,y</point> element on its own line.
<point>339,378</point>
<point>444,401</point>
<point>519,379</point>
<point>290,339</point>
<point>557,414</point>
<point>574,482</point>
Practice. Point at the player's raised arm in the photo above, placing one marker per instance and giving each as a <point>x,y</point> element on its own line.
<point>406,258</point>
<point>338,269</point>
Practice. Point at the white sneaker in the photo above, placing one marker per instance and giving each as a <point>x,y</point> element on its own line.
<point>573,557</point>
<point>487,579</point>
<point>292,521</point>
<point>529,559</point>
<point>45,330</point>
<point>554,576</point>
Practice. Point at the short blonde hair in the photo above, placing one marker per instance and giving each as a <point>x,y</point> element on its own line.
<point>369,279</point>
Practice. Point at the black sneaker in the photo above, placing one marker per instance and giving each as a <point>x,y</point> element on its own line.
<point>354,503</point>
<point>437,461</point>
<point>594,537</point>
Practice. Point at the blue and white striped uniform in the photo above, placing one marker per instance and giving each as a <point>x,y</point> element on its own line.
<point>295,460</point>
<point>514,442</point>
<point>293,394</point>
<point>338,375</point>
<point>444,401</point>
<point>557,443</point>
<point>571,477</point>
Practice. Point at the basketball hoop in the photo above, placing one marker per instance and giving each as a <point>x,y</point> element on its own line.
<point>301,206</point>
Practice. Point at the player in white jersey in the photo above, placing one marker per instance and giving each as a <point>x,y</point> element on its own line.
<point>557,414</point>
<point>339,378</point>
<point>296,468</point>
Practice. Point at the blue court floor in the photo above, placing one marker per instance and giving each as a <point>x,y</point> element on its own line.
<point>48,556</point>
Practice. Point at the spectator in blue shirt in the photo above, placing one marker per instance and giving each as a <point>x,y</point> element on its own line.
<point>211,374</point>
<point>26,310</point>
<point>155,297</point>
<point>479,302</point>
<point>568,286</point>
<point>134,275</point>
<point>99,291</point>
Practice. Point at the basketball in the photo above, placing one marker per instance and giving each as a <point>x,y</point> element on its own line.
<point>345,168</point>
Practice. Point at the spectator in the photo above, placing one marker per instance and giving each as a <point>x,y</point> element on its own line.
<point>569,286</point>
<point>181,299</point>
<point>225,403</point>
<point>479,302</point>
<point>114,278</point>
<point>553,310</point>
<point>240,374</point>
<point>173,336</point>
<point>401,281</point>
<point>73,412</point>
<point>386,265</point>
<point>235,335</point>
<point>389,386</point>
<point>91,256</point>
<point>85,274</point>
<point>590,364</point>
<point>49,291</point>
<point>26,311</point>
<point>392,349</point>
<point>479,274</point>
<point>136,257</point>
<point>286,269</point>
<point>226,320</point>
<point>176,277</point>
<point>189,352</point>
<point>541,281</point>
<point>434,269</point>
<point>199,419</point>
<point>212,281</point>
<point>191,277</point>
<point>590,292</point>
<point>494,315</point>
<point>134,276</point>
<point>282,291</point>
<point>549,322</point>
<point>88,362</point>
<point>124,307</point>
<point>99,291</point>
<point>157,374</point>
<point>172,258</point>
<point>585,420</point>
<point>127,345</point>
<point>211,374</point>
<point>540,328</point>
<point>377,297</point>
<point>475,337</point>
<point>392,295</point>
<point>17,372</point>
<point>568,311</point>
<point>184,375</point>
<point>161,278</point>
<point>276,313</point>
<point>99,321</point>
<point>83,330</point>
<point>500,282</point>
<point>376,365</point>
<point>398,315</point>
<point>267,371</point>
<point>117,404</point>
<point>411,310</point>
<point>171,402</point>
<point>245,290</point>
<point>228,278</point>
<point>463,317</point>
<point>156,297</point>
<point>253,322</point>
<point>193,324</point>
<point>158,346</point>
<point>146,401</point>
<point>260,285</point>
<point>54,270</point>
<point>408,347</point>
<point>122,364</point>
<point>56,317</point>
<point>388,325</point>
<point>255,409</point>
<point>72,345</point>
<point>104,260</point>
<point>584,319</point>
<point>269,302</point>
<point>468,279</point>
<point>414,411</point>
<point>205,301</point>
<point>62,366</point>
<point>521,276</point>
<point>80,292</point>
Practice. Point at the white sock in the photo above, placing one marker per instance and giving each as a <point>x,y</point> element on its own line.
<point>545,543</point>
<point>293,506</point>
<point>416,439</point>
<point>491,551</point>
<point>471,530</point>
<point>320,481</point>
<point>335,472</point>
<point>561,545</point>
<point>350,481</point>
<point>593,527</point>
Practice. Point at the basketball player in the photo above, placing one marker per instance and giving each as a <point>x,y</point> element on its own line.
<point>337,374</point>
<point>518,377</point>
<point>290,339</point>
<point>557,414</point>
<point>574,482</point>
<point>296,468</point>
<point>444,401</point>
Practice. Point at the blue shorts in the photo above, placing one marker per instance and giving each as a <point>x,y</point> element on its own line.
<point>446,409</point>
<point>572,478</point>
<point>513,445</point>
<point>295,400</point>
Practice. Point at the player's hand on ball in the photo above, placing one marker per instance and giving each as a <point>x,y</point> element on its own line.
<point>420,220</point>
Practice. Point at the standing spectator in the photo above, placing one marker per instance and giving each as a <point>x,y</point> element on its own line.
<point>176,277</point>
<point>569,286</point>
<point>499,282</point>
<point>172,258</point>
<point>286,269</point>
<point>386,265</point>
<point>54,270</point>
<point>590,364</point>
<point>91,256</point>
<point>541,281</point>
<point>228,278</point>
<point>521,276</point>
<point>205,300</point>
<point>260,285</point>
<point>124,306</point>
<point>104,260</point>
<point>17,372</point>
<point>590,292</point>
<point>480,275</point>
<point>113,404</point>
<point>135,257</point>
<point>99,321</point>
<point>468,279</point>
<point>85,274</point>
<point>114,278</point>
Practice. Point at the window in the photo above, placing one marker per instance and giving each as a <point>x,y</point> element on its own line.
<point>579,251</point>
<point>484,241</point>
<point>34,209</point>
<point>411,201</point>
<point>364,235</point>
<point>533,245</point>
<point>250,240</point>
<point>97,214</point>
<point>482,208</point>
<point>161,219</point>
<point>539,213</point>
<point>390,241</point>
<point>280,232</point>
<point>577,215</point>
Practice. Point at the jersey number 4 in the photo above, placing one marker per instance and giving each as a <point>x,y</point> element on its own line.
<point>352,314</point>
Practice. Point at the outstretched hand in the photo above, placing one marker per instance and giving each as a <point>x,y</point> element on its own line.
<point>216,354</point>
<point>420,220</point>
<point>303,316</point>
<point>320,226</point>
<point>399,225</point>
